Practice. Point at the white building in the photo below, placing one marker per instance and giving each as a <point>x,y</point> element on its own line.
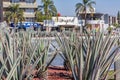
<point>63,23</point>
<point>28,6</point>
<point>95,22</point>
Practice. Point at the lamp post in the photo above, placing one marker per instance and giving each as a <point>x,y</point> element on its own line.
<point>1,10</point>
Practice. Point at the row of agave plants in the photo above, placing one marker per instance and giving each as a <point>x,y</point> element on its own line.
<point>89,57</point>
<point>23,57</point>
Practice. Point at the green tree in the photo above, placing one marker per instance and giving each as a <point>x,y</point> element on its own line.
<point>116,25</point>
<point>39,17</point>
<point>83,7</point>
<point>14,14</point>
<point>49,8</point>
<point>109,29</point>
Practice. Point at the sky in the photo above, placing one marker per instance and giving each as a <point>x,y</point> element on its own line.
<point>67,7</point>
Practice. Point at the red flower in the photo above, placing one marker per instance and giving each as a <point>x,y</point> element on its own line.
<point>58,14</point>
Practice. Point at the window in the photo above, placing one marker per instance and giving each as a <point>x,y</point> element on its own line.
<point>14,1</point>
<point>29,1</point>
<point>29,10</point>
<point>29,19</point>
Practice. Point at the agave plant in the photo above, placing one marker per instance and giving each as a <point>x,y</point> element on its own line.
<point>65,45</point>
<point>22,57</point>
<point>89,57</point>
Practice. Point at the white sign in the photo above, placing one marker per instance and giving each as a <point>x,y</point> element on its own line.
<point>65,21</point>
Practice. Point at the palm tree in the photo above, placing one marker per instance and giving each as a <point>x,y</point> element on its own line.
<point>49,8</point>
<point>15,14</point>
<point>83,7</point>
<point>39,17</point>
<point>1,10</point>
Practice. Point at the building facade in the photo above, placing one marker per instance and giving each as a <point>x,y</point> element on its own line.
<point>94,21</point>
<point>97,21</point>
<point>62,23</point>
<point>1,11</point>
<point>28,6</point>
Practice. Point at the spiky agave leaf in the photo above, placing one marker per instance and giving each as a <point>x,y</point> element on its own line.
<point>67,48</point>
<point>20,56</point>
<point>93,55</point>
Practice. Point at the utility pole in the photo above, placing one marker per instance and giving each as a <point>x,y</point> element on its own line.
<point>1,10</point>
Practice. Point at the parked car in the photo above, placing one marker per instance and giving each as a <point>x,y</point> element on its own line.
<point>26,25</point>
